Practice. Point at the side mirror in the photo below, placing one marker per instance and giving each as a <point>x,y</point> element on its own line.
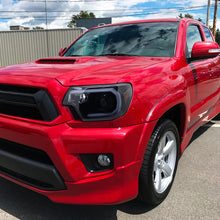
<point>205,49</point>
<point>62,50</point>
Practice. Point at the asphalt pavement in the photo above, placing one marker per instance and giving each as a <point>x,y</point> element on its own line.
<point>195,193</point>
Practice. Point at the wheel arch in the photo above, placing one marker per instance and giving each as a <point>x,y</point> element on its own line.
<point>173,107</point>
<point>177,114</point>
<point>165,109</point>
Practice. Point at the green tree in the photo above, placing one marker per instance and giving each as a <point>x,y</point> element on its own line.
<point>185,15</point>
<point>180,15</point>
<point>188,16</point>
<point>217,36</point>
<point>82,14</point>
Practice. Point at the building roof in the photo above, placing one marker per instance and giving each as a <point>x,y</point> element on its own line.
<point>92,22</point>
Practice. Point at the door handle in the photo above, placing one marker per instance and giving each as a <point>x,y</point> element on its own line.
<point>210,72</point>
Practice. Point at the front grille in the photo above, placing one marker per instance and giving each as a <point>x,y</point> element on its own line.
<point>27,102</point>
<point>29,165</point>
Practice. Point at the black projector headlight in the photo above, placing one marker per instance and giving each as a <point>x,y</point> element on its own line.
<point>99,103</point>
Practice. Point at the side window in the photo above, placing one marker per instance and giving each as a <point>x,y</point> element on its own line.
<point>207,34</point>
<point>193,36</point>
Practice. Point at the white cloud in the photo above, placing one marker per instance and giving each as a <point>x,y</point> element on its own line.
<point>126,18</point>
<point>59,13</point>
<point>198,2</point>
<point>63,11</point>
<point>189,3</point>
<point>4,26</point>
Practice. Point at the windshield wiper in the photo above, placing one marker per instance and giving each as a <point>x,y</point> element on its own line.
<point>105,54</point>
<point>115,54</point>
<point>74,56</point>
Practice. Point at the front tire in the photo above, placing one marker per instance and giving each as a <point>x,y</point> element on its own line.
<point>159,164</point>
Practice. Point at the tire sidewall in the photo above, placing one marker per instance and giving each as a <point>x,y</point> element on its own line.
<point>151,196</point>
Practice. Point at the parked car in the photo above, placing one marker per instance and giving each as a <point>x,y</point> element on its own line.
<point>106,121</point>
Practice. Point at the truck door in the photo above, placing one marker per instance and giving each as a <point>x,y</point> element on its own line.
<point>214,70</point>
<point>201,90</point>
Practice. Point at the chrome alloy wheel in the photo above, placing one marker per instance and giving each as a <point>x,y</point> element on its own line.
<point>165,162</point>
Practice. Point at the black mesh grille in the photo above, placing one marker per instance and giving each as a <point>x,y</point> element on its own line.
<point>27,102</point>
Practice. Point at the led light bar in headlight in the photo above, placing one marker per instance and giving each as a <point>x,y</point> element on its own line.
<point>99,103</point>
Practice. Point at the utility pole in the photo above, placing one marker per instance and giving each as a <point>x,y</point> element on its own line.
<point>208,9</point>
<point>215,18</point>
<point>45,4</point>
<point>47,38</point>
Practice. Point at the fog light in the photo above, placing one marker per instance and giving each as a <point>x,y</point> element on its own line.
<point>104,160</point>
<point>98,162</point>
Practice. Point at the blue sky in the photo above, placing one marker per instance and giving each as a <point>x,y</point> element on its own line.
<point>32,12</point>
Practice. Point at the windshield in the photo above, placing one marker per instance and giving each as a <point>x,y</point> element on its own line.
<point>154,39</point>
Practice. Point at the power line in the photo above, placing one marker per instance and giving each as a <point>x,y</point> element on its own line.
<point>69,17</point>
<point>126,12</point>
<point>66,1</point>
<point>122,9</point>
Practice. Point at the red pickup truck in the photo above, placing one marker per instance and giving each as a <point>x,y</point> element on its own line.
<point>106,121</point>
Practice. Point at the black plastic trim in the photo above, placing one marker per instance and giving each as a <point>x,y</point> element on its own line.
<point>30,166</point>
<point>48,61</point>
<point>90,161</point>
<point>27,102</point>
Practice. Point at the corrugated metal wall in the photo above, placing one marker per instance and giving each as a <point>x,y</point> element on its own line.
<point>25,46</point>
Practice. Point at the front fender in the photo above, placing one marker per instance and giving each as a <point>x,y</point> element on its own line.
<point>159,109</point>
<point>166,103</point>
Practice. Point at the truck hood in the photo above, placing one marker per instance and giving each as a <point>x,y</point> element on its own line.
<point>71,71</point>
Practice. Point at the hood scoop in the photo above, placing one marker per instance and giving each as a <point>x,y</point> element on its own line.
<point>56,60</point>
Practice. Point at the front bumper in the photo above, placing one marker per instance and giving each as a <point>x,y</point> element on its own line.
<point>63,144</point>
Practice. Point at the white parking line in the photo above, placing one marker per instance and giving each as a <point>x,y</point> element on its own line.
<point>216,125</point>
<point>213,126</point>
